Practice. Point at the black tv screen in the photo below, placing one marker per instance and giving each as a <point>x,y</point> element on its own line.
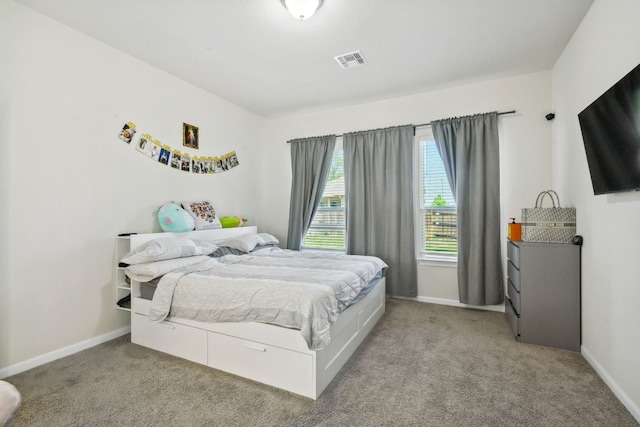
<point>611,133</point>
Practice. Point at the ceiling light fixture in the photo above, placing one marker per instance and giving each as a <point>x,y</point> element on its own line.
<point>302,9</point>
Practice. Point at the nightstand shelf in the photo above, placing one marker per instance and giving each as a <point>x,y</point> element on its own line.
<point>122,282</point>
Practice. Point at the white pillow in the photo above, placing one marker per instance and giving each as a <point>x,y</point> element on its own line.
<point>150,270</point>
<point>204,215</point>
<point>247,242</point>
<point>161,249</point>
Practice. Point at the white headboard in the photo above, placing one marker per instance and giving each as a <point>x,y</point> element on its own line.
<point>208,235</point>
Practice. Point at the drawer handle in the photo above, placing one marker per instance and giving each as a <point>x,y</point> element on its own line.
<point>167,325</point>
<point>254,347</point>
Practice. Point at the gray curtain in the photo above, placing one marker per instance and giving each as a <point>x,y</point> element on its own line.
<point>378,168</point>
<point>310,164</point>
<point>470,152</point>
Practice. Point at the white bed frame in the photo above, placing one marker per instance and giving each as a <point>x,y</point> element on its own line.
<point>269,354</point>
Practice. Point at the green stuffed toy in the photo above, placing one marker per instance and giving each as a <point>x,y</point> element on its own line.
<point>232,221</point>
<point>174,219</point>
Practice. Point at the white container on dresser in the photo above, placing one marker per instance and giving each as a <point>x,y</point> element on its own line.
<point>543,293</point>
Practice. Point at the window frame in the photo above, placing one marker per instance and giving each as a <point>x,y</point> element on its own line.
<point>424,134</point>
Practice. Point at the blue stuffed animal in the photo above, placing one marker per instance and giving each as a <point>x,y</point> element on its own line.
<point>174,219</point>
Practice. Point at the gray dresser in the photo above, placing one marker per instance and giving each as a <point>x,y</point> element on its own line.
<point>543,293</point>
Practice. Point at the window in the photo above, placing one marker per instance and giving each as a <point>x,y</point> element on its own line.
<point>328,227</point>
<point>436,228</point>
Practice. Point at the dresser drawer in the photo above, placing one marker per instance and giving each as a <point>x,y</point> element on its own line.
<point>264,363</point>
<point>513,253</point>
<point>514,296</point>
<point>514,275</point>
<point>167,337</point>
<point>513,318</point>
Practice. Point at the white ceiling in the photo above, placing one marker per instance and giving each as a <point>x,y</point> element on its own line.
<point>254,54</point>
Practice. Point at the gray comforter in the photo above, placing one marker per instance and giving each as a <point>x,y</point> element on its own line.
<point>302,290</point>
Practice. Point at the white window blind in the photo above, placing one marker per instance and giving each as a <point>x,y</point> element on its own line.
<point>328,227</point>
<point>438,212</point>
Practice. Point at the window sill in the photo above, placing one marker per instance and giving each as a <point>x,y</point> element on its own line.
<point>438,261</point>
<point>330,251</point>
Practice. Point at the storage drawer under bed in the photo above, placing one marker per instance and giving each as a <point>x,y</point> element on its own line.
<point>267,364</point>
<point>168,337</point>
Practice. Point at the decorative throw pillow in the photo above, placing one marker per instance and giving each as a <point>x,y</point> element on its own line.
<point>203,214</point>
<point>150,270</point>
<point>161,249</point>
<point>247,242</point>
<point>173,218</point>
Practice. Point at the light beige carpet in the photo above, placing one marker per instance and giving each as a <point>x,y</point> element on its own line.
<point>423,365</point>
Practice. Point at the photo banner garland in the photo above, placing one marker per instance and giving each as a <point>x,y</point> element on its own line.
<point>164,154</point>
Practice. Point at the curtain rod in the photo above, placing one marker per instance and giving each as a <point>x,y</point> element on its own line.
<point>429,124</point>
<point>500,114</point>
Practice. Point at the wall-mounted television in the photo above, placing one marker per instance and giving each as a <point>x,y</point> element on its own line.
<point>611,133</point>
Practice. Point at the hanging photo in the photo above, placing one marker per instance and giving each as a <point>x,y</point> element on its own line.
<point>149,147</point>
<point>155,151</point>
<point>185,162</point>
<point>190,136</point>
<point>217,165</point>
<point>144,144</point>
<point>233,159</point>
<point>127,132</point>
<point>165,155</point>
<point>212,165</point>
<point>204,165</point>
<point>195,164</point>
<point>176,160</point>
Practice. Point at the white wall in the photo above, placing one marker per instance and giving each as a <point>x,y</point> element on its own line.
<point>69,185</point>
<point>605,47</point>
<point>525,149</point>
<point>4,211</point>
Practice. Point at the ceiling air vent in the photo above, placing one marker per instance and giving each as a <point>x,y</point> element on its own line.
<point>350,60</point>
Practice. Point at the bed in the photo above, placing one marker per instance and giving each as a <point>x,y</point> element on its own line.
<point>291,356</point>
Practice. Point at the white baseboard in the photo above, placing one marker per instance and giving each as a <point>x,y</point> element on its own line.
<point>63,352</point>
<point>454,303</point>
<point>631,406</point>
